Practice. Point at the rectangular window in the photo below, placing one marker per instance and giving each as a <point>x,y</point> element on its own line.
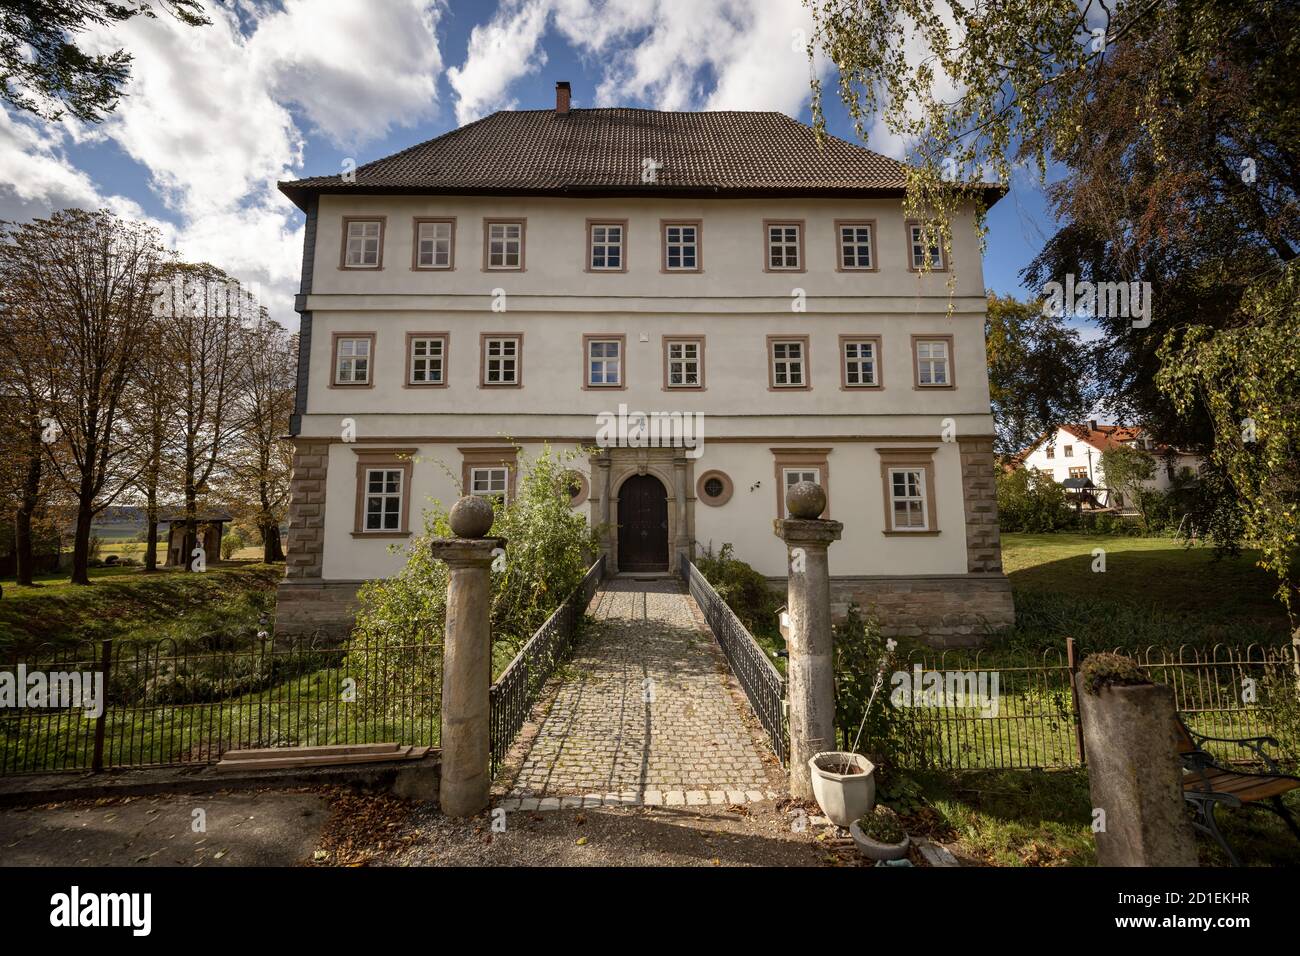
<point>933,362</point>
<point>503,245</point>
<point>789,363</point>
<point>434,243</point>
<point>917,249</point>
<point>684,363</point>
<point>605,242</point>
<point>792,476</point>
<point>492,482</point>
<point>501,359</point>
<point>426,359</point>
<point>352,356</point>
<point>604,363</point>
<point>383,499</point>
<point>907,499</point>
<point>855,245</point>
<point>861,362</point>
<point>784,246</point>
<point>1051,452</point>
<point>1079,471</point>
<point>1068,451</point>
<point>363,241</point>
<point>681,247</point>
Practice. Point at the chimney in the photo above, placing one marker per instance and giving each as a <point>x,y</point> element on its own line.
<point>1092,424</point>
<point>562,98</point>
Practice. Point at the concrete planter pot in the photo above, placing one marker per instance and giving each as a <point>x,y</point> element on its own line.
<point>874,850</point>
<point>843,797</point>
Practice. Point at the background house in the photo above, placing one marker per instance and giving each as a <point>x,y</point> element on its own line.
<point>1074,451</point>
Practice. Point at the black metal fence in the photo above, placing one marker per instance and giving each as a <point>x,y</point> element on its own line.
<point>1017,708</point>
<point>161,703</point>
<point>762,682</point>
<point>513,693</point>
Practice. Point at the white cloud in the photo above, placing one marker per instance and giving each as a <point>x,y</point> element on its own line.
<point>207,114</point>
<point>665,54</point>
<point>500,52</point>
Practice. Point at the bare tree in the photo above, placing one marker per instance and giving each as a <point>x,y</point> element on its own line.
<point>82,284</point>
<point>201,321</point>
<point>259,461</point>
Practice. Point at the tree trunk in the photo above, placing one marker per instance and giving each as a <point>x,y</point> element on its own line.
<point>271,549</point>
<point>24,560</point>
<point>81,544</point>
<point>151,536</point>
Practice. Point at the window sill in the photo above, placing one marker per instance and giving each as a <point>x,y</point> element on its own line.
<point>381,534</point>
<point>910,534</point>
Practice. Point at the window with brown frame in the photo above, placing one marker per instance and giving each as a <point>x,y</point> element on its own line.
<point>383,492</point>
<point>503,245</point>
<point>604,360</point>
<point>1051,451</point>
<point>860,361</point>
<point>794,465</point>
<point>787,362</point>
<point>353,357</point>
<point>681,247</point>
<point>932,363</point>
<point>784,241</point>
<point>426,359</point>
<point>683,363</point>
<point>917,249</point>
<point>856,242</point>
<point>363,243</point>
<point>435,244</point>
<point>714,488</point>
<point>489,472</point>
<point>501,360</point>
<point>607,246</point>
<point>907,478</point>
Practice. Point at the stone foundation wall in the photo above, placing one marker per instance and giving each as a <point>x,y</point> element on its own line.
<point>327,608</point>
<point>305,544</point>
<point>957,610</point>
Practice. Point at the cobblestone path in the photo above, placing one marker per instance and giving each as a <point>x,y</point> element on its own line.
<point>645,716</point>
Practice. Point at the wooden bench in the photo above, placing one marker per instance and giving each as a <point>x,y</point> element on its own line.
<point>1206,784</point>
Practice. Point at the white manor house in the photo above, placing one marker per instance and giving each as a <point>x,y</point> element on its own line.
<point>521,279</point>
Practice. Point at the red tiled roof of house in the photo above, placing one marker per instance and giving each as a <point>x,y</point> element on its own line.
<point>603,152</point>
<point>1104,436</point>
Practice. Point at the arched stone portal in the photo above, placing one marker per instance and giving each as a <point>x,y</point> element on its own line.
<point>613,467</point>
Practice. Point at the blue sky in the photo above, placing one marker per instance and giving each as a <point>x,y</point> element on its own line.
<point>280,90</point>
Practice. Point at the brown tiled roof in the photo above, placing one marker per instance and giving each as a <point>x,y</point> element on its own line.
<point>601,152</point>
<point>1104,437</point>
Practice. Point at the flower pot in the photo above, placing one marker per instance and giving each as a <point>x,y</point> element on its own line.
<point>874,850</point>
<point>843,797</point>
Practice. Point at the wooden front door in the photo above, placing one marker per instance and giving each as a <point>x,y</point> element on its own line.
<point>642,525</point>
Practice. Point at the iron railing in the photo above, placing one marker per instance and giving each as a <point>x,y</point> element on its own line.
<point>514,693</point>
<point>166,703</point>
<point>762,682</point>
<point>1221,691</point>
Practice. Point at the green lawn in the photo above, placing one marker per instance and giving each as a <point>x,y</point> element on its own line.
<point>127,603</point>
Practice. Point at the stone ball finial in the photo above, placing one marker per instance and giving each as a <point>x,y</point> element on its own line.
<point>806,499</point>
<point>471,517</point>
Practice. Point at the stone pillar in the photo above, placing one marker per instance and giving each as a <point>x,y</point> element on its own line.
<point>467,659</point>
<point>1135,776</point>
<point>682,540</point>
<point>811,669</point>
<point>601,480</point>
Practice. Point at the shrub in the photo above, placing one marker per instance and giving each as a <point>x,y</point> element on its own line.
<point>861,655</point>
<point>231,542</point>
<point>1032,502</point>
<point>743,589</point>
<point>548,549</point>
<point>1109,670</point>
